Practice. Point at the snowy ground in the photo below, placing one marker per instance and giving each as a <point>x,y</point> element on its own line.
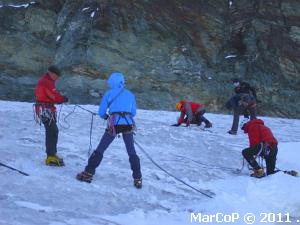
<point>53,196</point>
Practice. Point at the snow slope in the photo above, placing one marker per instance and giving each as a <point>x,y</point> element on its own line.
<point>204,159</point>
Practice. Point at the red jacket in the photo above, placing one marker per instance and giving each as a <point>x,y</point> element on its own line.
<point>258,132</point>
<point>46,93</point>
<point>189,109</point>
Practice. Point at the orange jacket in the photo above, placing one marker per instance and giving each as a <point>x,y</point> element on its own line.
<point>258,132</point>
<point>189,109</point>
<point>46,93</point>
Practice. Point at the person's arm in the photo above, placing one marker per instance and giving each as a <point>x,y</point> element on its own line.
<point>181,118</point>
<point>103,107</point>
<point>54,95</point>
<point>133,107</point>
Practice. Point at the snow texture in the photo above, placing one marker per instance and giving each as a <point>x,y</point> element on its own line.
<point>205,159</point>
<point>25,5</point>
<point>58,37</point>
<point>85,9</point>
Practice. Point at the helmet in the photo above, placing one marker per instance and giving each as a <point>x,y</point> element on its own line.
<point>243,123</point>
<point>178,106</point>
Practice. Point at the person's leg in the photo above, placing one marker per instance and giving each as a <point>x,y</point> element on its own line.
<point>249,154</point>
<point>134,160</point>
<point>252,113</point>
<point>271,160</point>
<point>51,136</point>
<point>96,158</point>
<point>198,118</point>
<point>236,118</point>
<point>246,114</point>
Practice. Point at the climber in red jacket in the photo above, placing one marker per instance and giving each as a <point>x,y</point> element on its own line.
<point>191,113</point>
<point>262,143</point>
<point>46,98</point>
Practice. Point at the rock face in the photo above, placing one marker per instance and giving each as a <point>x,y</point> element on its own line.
<point>168,49</point>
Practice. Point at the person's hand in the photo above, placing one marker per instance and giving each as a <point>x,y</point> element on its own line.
<point>105,117</point>
<point>175,125</point>
<point>66,99</point>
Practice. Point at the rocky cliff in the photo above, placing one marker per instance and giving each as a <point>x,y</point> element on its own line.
<point>168,49</point>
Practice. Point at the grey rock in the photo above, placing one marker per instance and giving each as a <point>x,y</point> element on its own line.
<point>168,50</point>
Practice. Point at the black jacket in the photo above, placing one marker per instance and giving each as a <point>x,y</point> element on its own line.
<point>245,88</point>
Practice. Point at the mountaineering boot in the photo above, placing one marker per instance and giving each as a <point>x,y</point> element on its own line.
<point>54,161</point>
<point>85,177</point>
<point>208,125</point>
<point>232,132</point>
<point>258,173</point>
<point>137,183</point>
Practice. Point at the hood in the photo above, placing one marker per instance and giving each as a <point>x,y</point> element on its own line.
<point>116,80</point>
<point>251,123</point>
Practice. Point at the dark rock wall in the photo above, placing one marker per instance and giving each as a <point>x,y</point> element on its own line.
<point>168,49</point>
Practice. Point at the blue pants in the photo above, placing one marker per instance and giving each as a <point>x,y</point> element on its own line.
<point>107,138</point>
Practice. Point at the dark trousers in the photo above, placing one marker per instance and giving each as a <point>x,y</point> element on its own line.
<point>268,154</point>
<point>51,136</point>
<point>241,110</point>
<point>200,118</point>
<point>107,138</point>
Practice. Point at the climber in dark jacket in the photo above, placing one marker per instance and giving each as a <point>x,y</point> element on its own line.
<point>243,102</point>
<point>118,106</point>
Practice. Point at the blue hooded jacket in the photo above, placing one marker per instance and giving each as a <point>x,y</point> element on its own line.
<point>124,102</point>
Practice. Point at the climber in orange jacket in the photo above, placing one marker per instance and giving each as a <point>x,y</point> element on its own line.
<point>262,143</point>
<point>191,113</point>
<point>45,112</point>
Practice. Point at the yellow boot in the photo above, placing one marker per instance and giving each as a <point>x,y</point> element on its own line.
<point>258,173</point>
<point>54,161</point>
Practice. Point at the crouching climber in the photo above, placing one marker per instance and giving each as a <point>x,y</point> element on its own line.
<point>191,113</point>
<point>263,144</point>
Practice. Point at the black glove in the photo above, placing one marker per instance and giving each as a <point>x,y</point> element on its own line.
<point>105,117</point>
<point>176,125</point>
<point>66,99</point>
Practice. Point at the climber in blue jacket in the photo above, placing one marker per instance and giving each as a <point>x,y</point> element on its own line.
<point>118,107</point>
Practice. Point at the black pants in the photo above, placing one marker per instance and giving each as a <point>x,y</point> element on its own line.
<point>51,136</point>
<point>268,154</point>
<point>200,118</point>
